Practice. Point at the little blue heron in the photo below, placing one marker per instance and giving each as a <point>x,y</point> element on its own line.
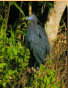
<point>37,40</point>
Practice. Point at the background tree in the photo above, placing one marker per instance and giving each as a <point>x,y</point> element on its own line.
<point>54,18</point>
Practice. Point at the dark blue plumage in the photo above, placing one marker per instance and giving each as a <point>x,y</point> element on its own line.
<point>37,40</point>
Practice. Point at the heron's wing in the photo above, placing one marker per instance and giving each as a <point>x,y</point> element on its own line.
<point>44,37</point>
<point>38,43</point>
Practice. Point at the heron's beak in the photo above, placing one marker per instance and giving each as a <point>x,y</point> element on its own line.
<point>29,18</point>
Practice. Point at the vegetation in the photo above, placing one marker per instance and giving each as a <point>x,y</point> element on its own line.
<point>14,53</point>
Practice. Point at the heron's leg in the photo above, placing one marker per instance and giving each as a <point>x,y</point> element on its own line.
<point>35,64</point>
<point>37,59</point>
<point>42,59</point>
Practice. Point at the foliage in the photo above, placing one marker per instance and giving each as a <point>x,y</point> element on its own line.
<point>44,78</point>
<point>13,57</point>
<point>16,5</point>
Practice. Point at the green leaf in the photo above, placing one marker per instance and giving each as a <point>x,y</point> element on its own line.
<point>35,76</point>
<point>4,84</point>
<point>11,2</point>
<point>48,80</point>
<point>10,72</point>
<point>3,49</point>
<point>14,50</point>
<point>50,55</point>
<point>19,8</point>
<point>53,79</point>
<point>2,65</point>
<point>42,67</point>
<point>0,81</point>
<point>49,61</point>
<point>31,81</point>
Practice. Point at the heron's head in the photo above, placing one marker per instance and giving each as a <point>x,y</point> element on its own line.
<point>32,18</point>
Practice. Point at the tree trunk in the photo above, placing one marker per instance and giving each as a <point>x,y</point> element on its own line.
<point>51,26</point>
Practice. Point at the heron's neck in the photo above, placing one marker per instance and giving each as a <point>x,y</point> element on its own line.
<point>32,25</point>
